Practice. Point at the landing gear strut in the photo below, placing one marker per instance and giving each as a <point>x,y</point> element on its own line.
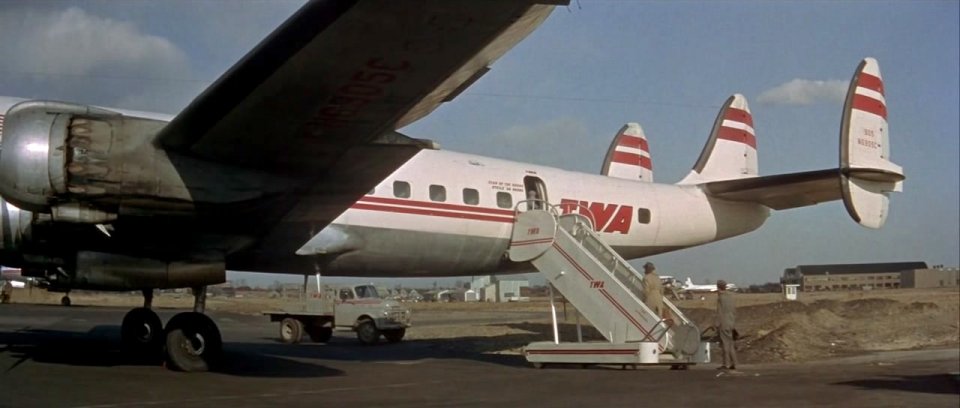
<point>192,339</point>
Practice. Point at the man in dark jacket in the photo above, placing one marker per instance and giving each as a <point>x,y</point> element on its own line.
<point>726,319</point>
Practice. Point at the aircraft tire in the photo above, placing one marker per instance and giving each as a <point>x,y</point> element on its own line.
<point>291,331</point>
<point>320,334</point>
<point>367,332</point>
<point>193,342</point>
<point>65,301</point>
<point>142,332</point>
<point>394,335</point>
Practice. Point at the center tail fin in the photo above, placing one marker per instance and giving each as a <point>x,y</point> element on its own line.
<point>731,149</point>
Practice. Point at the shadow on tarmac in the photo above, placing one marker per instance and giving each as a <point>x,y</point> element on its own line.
<point>503,349</point>
<point>100,347</point>
<point>930,384</point>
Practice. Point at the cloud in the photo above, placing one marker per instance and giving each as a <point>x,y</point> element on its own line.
<point>86,57</point>
<point>805,92</point>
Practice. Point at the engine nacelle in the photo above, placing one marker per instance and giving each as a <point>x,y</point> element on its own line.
<point>103,271</point>
<point>14,229</point>
<point>75,162</point>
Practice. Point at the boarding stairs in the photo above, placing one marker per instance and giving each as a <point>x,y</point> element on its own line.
<point>604,289</point>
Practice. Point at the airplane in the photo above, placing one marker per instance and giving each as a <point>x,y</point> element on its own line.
<point>689,286</point>
<point>291,163</point>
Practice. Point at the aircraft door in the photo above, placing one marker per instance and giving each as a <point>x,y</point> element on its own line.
<point>536,192</point>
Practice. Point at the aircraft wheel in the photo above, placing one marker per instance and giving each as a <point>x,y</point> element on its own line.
<point>394,335</point>
<point>193,342</point>
<point>65,301</point>
<point>320,334</point>
<point>291,330</point>
<point>142,332</point>
<point>367,332</point>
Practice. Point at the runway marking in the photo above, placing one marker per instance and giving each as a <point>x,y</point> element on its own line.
<point>263,395</point>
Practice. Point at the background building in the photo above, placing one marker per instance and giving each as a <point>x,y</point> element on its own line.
<point>870,276</point>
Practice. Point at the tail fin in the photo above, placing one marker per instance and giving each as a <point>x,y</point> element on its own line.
<point>688,282</point>
<point>867,174</point>
<point>629,155</point>
<point>731,150</point>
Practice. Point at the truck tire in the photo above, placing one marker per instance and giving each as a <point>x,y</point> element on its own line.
<point>291,330</point>
<point>367,332</point>
<point>320,334</point>
<point>394,335</point>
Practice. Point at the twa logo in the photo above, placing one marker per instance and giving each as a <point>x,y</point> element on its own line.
<point>609,217</point>
<point>596,284</point>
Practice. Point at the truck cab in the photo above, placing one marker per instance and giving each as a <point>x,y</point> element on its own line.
<point>361,308</point>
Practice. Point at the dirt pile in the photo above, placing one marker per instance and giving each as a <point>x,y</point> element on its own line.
<point>795,331</point>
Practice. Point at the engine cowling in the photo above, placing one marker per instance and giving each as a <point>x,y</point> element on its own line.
<point>105,271</point>
<point>14,229</point>
<point>75,162</point>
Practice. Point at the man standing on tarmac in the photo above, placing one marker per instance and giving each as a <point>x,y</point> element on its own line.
<point>652,289</point>
<point>726,318</point>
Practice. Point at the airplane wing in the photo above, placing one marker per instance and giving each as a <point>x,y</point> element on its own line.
<point>318,101</point>
<point>781,191</point>
<point>339,74</point>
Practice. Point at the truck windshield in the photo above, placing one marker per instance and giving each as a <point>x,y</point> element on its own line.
<point>366,291</point>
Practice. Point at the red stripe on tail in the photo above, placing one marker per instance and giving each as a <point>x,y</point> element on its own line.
<point>633,142</point>
<point>868,104</point>
<point>632,159</point>
<point>739,115</point>
<point>870,82</point>
<point>737,135</point>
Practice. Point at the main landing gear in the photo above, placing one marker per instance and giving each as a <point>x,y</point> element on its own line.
<point>191,340</point>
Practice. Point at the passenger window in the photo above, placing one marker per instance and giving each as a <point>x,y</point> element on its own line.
<point>438,193</point>
<point>401,189</point>
<point>471,196</point>
<point>504,200</point>
<point>643,215</point>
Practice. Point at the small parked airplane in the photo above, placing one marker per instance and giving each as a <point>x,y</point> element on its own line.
<point>689,286</point>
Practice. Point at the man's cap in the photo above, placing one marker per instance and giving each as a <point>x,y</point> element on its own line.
<point>649,265</point>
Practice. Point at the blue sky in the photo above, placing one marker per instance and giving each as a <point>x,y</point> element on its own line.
<point>558,97</point>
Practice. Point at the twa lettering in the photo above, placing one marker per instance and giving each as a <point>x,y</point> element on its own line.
<point>596,284</point>
<point>608,217</point>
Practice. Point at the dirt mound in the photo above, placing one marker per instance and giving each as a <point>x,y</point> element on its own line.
<point>794,331</point>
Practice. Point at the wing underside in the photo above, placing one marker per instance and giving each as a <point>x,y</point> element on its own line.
<point>341,73</point>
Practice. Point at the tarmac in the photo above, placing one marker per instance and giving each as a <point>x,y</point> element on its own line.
<point>52,356</point>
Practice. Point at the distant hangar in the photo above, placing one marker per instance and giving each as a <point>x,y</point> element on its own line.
<point>862,276</point>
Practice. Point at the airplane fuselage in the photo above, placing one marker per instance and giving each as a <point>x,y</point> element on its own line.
<point>446,214</point>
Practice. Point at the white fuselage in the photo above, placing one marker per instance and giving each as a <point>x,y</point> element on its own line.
<point>446,214</point>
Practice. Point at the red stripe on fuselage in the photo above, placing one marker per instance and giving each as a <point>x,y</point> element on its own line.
<point>432,213</point>
<point>739,115</point>
<point>868,104</point>
<point>870,82</point>
<point>442,206</point>
<point>632,159</point>
<point>737,135</point>
<point>634,142</point>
